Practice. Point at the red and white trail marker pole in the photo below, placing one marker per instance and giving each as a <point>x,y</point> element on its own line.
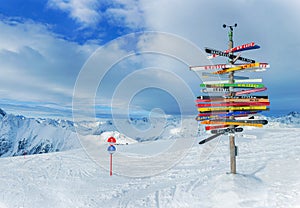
<point>111,149</point>
<point>24,154</point>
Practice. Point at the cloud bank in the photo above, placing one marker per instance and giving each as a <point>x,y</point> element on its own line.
<point>41,66</point>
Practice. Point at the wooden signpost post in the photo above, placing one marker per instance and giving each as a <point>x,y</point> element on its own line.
<point>233,148</point>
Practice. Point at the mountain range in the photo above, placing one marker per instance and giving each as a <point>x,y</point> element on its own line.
<point>20,135</point>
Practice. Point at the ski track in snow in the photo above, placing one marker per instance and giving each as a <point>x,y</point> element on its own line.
<point>268,176</point>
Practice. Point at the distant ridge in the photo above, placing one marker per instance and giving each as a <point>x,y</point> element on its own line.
<point>22,136</point>
<point>292,119</point>
<point>2,112</point>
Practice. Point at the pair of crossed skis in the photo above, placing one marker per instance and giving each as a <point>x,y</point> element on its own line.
<point>220,132</point>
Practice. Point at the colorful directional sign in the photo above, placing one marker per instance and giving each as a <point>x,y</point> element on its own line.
<point>244,47</point>
<point>239,98</point>
<point>236,85</point>
<point>239,101</point>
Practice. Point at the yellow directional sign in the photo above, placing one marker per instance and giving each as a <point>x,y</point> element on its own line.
<point>239,108</point>
<point>241,67</point>
<point>231,123</point>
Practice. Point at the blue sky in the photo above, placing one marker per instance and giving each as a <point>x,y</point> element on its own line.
<point>45,44</point>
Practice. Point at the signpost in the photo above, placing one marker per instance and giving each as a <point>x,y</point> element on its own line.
<point>220,113</point>
<point>111,150</point>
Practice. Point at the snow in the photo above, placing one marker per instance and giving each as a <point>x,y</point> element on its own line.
<point>268,173</point>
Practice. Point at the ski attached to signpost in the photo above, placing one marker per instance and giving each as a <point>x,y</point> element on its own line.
<point>236,85</point>
<point>223,104</point>
<point>236,93</point>
<point>231,123</point>
<point>207,128</point>
<point>234,100</point>
<point>237,68</point>
<point>235,81</point>
<point>243,92</point>
<point>250,121</point>
<point>206,67</point>
<point>227,114</point>
<point>210,138</point>
<point>238,108</point>
<point>221,76</point>
<point>215,90</point>
<point>244,47</point>
<point>220,116</point>
<point>229,55</point>
<point>212,98</point>
<point>224,66</point>
<point>228,130</point>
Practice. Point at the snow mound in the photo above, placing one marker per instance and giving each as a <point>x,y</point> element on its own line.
<point>120,138</point>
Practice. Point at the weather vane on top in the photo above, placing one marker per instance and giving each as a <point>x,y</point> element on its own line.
<point>230,26</point>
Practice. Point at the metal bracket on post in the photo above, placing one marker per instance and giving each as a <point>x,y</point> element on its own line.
<point>236,151</point>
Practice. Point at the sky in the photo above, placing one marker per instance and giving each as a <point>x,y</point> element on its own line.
<point>132,56</point>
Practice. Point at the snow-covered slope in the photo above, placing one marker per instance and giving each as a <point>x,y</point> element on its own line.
<point>160,127</point>
<point>268,167</point>
<point>268,176</point>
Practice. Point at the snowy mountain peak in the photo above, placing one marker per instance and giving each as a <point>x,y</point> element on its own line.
<point>292,119</point>
<point>57,123</point>
<point>294,114</point>
<point>2,113</point>
<point>20,135</point>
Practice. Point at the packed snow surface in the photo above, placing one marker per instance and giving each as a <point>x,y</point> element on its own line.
<point>268,175</point>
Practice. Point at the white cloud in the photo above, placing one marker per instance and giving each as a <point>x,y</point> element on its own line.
<point>127,13</point>
<point>123,13</point>
<point>39,66</point>
<point>271,24</point>
<point>201,21</point>
<point>36,65</point>
<point>84,12</point>
<point>132,72</point>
